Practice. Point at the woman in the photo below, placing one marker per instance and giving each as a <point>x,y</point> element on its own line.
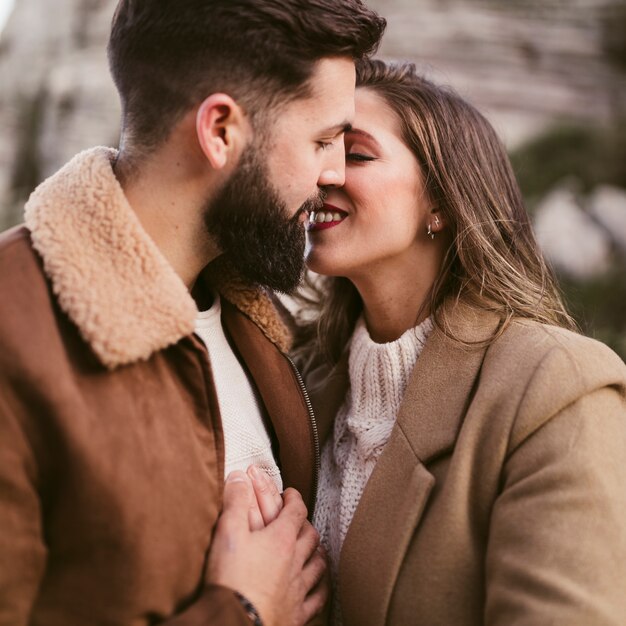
<point>473,470</point>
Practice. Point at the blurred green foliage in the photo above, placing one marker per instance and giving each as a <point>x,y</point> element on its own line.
<point>599,306</point>
<point>589,156</point>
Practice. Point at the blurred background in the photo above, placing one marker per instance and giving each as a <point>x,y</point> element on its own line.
<point>549,74</point>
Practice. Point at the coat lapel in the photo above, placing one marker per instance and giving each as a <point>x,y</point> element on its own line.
<point>393,502</point>
<point>396,495</point>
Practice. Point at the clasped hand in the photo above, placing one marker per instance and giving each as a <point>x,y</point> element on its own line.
<point>265,548</point>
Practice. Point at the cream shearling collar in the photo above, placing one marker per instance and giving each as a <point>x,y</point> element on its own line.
<point>108,275</point>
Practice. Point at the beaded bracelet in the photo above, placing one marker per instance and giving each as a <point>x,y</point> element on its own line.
<point>250,610</point>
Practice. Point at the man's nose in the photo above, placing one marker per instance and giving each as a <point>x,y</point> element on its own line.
<point>334,172</point>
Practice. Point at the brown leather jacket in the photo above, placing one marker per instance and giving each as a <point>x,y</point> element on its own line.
<point>111,446</point>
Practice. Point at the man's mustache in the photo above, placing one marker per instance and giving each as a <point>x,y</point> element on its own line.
<point>312,204</point>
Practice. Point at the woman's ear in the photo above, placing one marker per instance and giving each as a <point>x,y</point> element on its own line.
<point>221,127</point>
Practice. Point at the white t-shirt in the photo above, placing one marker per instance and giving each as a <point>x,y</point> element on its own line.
<point>246,439</point>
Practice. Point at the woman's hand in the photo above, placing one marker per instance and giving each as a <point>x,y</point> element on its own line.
<point>266,502</point>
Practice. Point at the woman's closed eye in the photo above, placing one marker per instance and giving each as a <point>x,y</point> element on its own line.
<point>359,157</point>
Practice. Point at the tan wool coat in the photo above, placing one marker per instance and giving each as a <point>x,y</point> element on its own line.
<point>111,444</point>
<point>500,498</point>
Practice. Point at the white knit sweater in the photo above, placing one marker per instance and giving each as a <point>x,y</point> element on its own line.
<point>379,374</point>
<point>246,440</point>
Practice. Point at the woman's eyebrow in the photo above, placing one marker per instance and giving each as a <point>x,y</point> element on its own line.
<point>363,133</point>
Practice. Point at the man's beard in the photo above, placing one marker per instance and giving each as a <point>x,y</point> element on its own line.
<point>250,224</point>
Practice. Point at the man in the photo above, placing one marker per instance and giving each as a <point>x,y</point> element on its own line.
<point>117,426</point>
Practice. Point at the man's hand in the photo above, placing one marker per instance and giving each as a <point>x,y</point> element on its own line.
<point>277,567</point>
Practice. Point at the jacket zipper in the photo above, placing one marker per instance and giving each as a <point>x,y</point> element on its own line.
<point>316,439</point>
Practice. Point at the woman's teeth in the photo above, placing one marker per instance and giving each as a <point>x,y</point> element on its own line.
<point>324,216</point>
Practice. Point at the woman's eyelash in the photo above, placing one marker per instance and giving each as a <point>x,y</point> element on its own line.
<point>357,156</point>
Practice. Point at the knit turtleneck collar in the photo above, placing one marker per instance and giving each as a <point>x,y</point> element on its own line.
<point>381,371</point>
<point>379,374</point>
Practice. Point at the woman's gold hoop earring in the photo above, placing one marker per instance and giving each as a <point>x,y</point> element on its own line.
<point>430,232</point>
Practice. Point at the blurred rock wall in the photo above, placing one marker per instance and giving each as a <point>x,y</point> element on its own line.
<point>525,63</point>
<point>56,96</point>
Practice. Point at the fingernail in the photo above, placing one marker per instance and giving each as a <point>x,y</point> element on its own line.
<point>236,477</point>
<point>257,474</point>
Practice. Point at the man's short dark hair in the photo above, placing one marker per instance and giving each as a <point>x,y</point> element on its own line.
<point>166,56</point>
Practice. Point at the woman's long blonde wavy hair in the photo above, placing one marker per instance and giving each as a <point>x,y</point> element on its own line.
<point>494,262</point>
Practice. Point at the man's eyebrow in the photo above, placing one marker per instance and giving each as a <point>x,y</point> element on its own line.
<point>338,129</point>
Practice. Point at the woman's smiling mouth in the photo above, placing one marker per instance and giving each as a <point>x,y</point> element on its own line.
<point>328,217</point>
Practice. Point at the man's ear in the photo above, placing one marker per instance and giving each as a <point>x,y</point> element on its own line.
<point>222,127</point>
